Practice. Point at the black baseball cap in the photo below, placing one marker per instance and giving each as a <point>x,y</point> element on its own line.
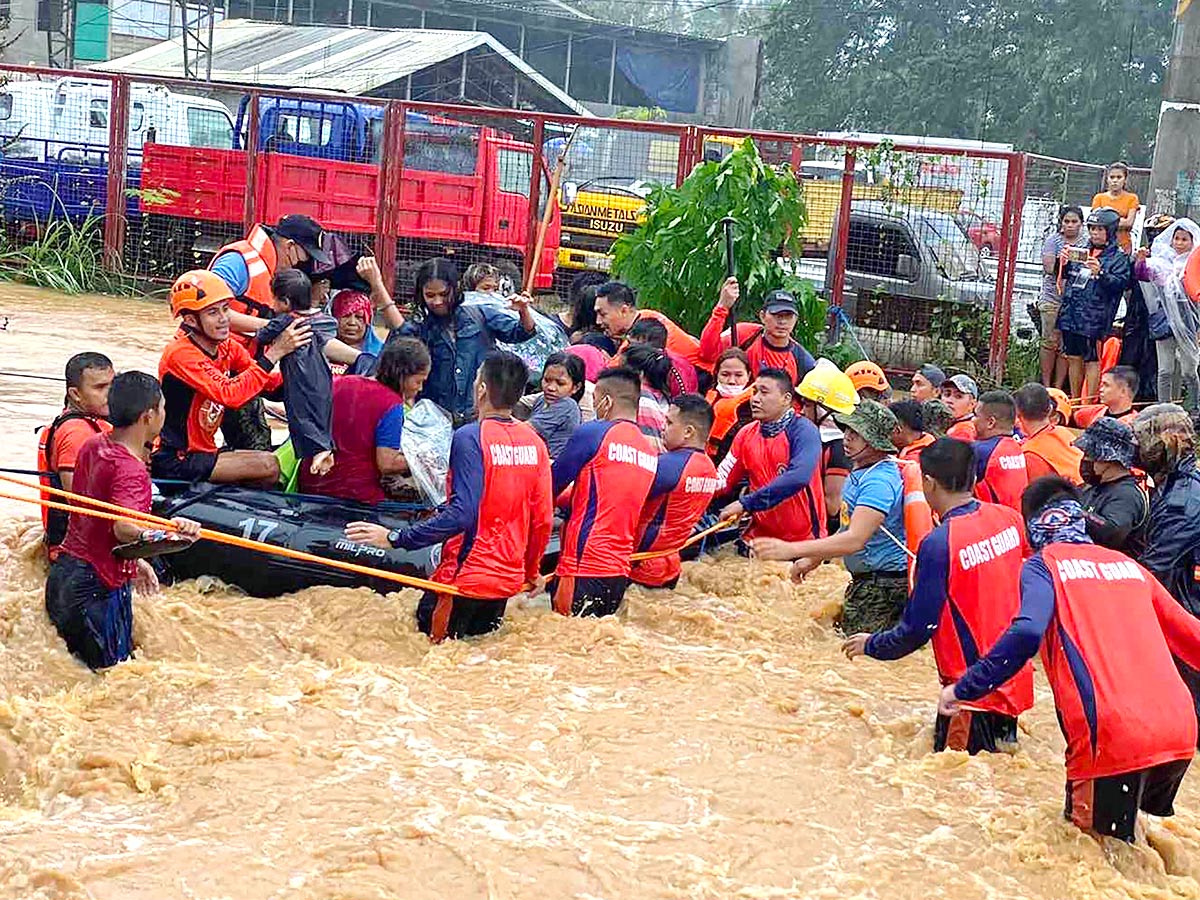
<point>780,301</point>
<point>305,231</point>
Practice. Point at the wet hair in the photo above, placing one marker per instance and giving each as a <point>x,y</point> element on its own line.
<point>293,287</point>
<point>998,404</point>
<point>695,410</point>
<point>436,269</point>
<point>951,463</point>
<point>909,413</point>
<point>581,298</point>
<point>596,339</point>
<point>477,272</point>
<point>1034,402</point>
<point>576,371</point>
<point>131,395</point>
<point>1042,492</point>
<point>1117,166</point>
<point>1126,375</point>
<point>618,293</point>
<point>623,383</point>
<point>400,358</point>
<point>653,365</point>
<point>732,353</point>
<point>781,378</point>
<point>81,362</point>
<point>649,331</point>
<point>1068,210</point>
<point>505,376</point>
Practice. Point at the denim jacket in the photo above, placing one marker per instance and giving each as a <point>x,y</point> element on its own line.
<point>457,345</point>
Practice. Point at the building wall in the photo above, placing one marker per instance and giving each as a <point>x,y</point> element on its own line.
<point>29,48</point>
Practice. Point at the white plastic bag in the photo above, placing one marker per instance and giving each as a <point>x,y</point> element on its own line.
<point>425,443</point>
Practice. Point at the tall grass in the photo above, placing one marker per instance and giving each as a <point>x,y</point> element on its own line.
<point>64,256</point>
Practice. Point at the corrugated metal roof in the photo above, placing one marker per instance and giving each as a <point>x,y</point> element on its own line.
<point>325,57</point>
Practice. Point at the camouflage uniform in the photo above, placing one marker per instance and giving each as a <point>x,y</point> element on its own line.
<point>938,417</point>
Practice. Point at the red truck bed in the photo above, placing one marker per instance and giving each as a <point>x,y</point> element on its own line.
<point>209,186</point>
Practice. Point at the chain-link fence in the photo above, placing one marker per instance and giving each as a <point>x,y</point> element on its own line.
<point>915,244</point>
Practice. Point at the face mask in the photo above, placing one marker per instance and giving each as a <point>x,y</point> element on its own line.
<point>1087,471</point>
<point>729,390</point>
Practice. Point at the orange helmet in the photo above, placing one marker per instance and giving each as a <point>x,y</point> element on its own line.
<point>198,290</point>
<point>1062,404</point>
<point>867,375</point>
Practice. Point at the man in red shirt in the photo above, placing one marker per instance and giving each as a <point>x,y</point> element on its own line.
<point>498,513</point>
<point>769,345</point>
<point>1110,636</point>
<point>683,488</point>
<point>1000,475</point>
<point>89,376</point>
<point>779,455</point>
<point>965,593</point>
<point>203,371</point>
<point>617,311</point>
<point>609,466</point>
<point>89,591</point>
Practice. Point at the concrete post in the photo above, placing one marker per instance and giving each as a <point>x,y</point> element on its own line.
<point>1175,177</point>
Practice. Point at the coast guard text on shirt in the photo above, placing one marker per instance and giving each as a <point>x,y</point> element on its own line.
<point>989,548</point>
<point>1079,569</point>
<point>513,454</point>
<point>625,454</point>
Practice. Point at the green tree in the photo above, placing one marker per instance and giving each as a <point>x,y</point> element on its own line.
<point>676,258</point>
<point>1081,81</point>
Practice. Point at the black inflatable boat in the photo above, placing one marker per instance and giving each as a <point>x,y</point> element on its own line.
<point>297,521</point>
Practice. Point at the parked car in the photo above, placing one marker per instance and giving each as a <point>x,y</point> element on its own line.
<point>983,234</point>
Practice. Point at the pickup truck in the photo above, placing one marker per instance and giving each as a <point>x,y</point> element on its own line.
<point>911,272</point>
<point>464,190</point>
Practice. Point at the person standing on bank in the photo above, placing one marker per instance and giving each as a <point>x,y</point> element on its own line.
<point>966,592</point>
<point>872,540</point>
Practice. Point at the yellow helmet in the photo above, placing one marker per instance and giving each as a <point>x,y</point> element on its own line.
<point>829,386</point>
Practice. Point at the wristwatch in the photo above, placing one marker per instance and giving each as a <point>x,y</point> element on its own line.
<point>394,536</point>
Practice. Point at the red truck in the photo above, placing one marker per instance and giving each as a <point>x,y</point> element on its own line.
<point>464,190</point>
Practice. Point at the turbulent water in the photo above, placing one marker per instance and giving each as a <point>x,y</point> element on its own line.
<point>711,743</point>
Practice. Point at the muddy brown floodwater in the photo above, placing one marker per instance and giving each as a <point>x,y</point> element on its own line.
<point>712,743</point>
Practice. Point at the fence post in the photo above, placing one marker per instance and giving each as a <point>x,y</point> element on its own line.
<point>391,180</point>
<point>689,140</point>
<point>1018,216</point>
<point>250,201</point>
<point>998,342</point>
<point>535,189</point>
<point>837,287</point>
<point>118,147</point>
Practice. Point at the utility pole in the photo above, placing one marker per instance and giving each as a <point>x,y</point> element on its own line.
<point>197,38</point>
<point>1175,178</point>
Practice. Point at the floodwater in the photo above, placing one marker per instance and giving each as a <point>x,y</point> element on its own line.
<point>711,743</point>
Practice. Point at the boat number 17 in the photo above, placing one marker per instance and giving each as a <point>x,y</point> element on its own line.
<point>264,526</point>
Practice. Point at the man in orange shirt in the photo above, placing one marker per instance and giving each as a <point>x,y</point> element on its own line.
<point>84,415</point>
<point>961,394</point>
<point>1124,202</point>
<point>617,310</point>
<point>1047,446</point>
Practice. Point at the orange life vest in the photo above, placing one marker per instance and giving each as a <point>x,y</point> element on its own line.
<point>1086,415</point>
<point>258,252</point>
<point>1053,446</point>
<point>962,430</point>
<point>912,452</point>
<point>918,517</point>
<point>725,420</point>
<point>1110,354</point>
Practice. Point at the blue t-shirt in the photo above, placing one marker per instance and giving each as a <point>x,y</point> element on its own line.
<point>231,268</point>
<point>879,487</point>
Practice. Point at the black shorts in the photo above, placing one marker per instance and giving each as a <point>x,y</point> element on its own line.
<point>575,596</point>
<point>95,620</point>
<point>178,466</point>
<point>246,427</point>
<point>975,732</point>
<point>1109,805</point>
<point>1077,345</point>
<point>443,616</point>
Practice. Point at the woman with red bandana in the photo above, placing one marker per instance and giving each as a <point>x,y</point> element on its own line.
<point>354,312</point>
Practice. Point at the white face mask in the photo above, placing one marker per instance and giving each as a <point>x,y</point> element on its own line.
<point>730,390</point>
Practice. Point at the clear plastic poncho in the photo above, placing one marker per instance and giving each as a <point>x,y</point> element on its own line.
<point>1166,269</point>
<point>425,443</point>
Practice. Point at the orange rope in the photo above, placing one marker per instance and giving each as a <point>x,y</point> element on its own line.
<point>698,536</point>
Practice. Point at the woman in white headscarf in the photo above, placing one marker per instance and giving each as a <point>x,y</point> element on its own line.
<point>1174,318</point>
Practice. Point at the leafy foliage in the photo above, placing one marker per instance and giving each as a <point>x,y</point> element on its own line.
<point>1052,76</point>
<point>676,258</point>
<point>65,256</point>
